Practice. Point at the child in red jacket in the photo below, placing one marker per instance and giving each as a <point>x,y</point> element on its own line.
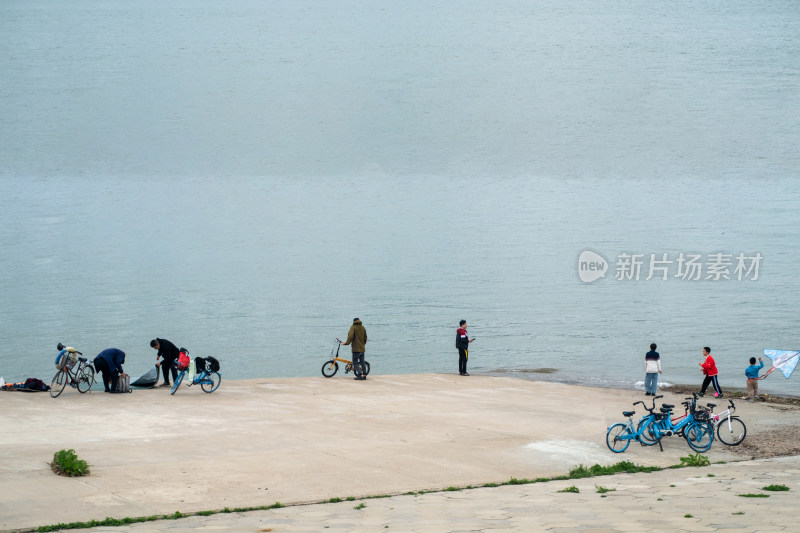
<point>710,371</point>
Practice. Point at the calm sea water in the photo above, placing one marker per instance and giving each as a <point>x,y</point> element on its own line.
<point>245,177</point>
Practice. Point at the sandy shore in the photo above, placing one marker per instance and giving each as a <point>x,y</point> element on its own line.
<point>257,442</point>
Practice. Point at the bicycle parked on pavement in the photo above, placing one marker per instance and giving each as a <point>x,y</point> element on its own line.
<point>730,429</point>
<point>72,369</point>
<point>208,376</point>
<point>620,435</point>
<point>330,367</point>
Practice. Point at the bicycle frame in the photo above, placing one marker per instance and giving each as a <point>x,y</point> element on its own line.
<point>724,415</point>
<point>336,358</point>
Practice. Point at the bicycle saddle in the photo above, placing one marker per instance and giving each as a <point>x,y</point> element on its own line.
<point>628,413</point>
<point>82,359</point>
<point>667,405</point>
<point>712,405</point>
<point>665,410</point>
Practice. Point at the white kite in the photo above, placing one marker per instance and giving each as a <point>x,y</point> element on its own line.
<point>783,360</point>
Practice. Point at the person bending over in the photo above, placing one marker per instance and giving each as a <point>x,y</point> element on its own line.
<point>169,352</point>
<point>109,362</point>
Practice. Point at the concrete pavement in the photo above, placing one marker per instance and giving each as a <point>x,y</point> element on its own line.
<point>299,440</point>
<point>686,499</point>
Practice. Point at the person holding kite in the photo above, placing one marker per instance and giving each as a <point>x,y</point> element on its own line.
<point>752,378</point>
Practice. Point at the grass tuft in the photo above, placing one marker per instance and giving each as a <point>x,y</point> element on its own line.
<point>751,495</point>
<point>776,488</point>
<point>695,459</point>
<point>622,467</point>
<point>573,488</point>
<point>67,463</point>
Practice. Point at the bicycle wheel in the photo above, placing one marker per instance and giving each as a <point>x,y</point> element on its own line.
<point>731,431</point>
<point>615,444</point>
<point>58,383</point>
<point>330,368</point>
<point>648,432</point>
<point>215,380</point>
<point>177,382</point>
<point>700,436</point>
<point>366,368</point>
<point>85,378</point>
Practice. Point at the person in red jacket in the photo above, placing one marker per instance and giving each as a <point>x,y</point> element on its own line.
<point>710,371</point>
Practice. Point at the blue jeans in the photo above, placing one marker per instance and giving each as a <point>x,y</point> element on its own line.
<point>651,382</point>
<point>358,363</point>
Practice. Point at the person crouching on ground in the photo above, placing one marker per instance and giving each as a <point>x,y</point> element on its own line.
<point>357,338</point>
<point>752,378</point>
<point>170,353</point>
<point>109,362</point>
<point>652,368</point>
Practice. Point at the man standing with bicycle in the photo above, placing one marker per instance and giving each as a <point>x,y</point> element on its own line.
<point>357,339</point>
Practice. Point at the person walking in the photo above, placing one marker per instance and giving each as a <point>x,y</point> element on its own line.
<point>752,378</point>
<point>710,371</point>
<point>109,362</point>
<point>357,339</point>
<point>169,352</point>
<point>652,368</point>
<point>462,343</point>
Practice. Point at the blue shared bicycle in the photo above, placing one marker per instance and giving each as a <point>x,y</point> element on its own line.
<point>694,425</point>
<point>208,376</point>
<point>620,435</point>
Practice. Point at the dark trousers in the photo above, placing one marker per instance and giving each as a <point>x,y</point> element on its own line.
<point>166,366</point>
<point>462,360</point>
<point>709,380</point>
<point>109,377</point>
<point>358,364</point>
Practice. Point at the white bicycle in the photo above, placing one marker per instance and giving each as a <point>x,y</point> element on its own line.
<point>730,429</point>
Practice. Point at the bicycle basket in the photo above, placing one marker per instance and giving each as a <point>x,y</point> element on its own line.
<point>66,360</point>
<point>702,415</point>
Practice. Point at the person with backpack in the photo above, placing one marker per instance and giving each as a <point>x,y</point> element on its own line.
<point>462,343</point>
<point>169,352</point>
<point>109,362</point>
